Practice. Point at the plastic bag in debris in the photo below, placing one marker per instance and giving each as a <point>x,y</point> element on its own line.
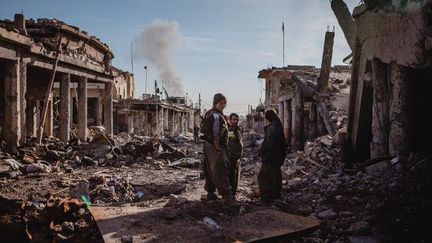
<point>210,222</point>
<point>259,142</point>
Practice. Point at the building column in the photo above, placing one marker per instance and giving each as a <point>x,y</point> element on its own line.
<point>108,109</point>
<point>379,145</point>
<point>166,119</point>
<point>49,123</point>
<point>157,118</point>
<point>82,108</point>
<point>12,129</point>
<point>182,123</point>
<point>172,119</point>
<point>289,120</point>
<point>31,120</point>
<point>281,111</point>
<point>98,112</point>
<point>64,108</point>
<point>38,112</point>
<point>326,61</point>
<point>313,122</point>
<point>163,121</point>
<point>398,137</point>
<point>23,103</point>
<point>130,118</point>
<point>299,118</point>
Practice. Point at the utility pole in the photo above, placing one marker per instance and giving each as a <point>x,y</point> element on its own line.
<point>132,56</point>
<point>145,89</point>
<point>283,44</point>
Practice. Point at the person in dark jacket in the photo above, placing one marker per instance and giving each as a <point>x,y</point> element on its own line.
<point>273,152</point>
<point>216,163</point>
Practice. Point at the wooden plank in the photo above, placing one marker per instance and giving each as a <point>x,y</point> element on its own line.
<point>48,92</point>
<point>323,111</point>
<point>147,224</point>
<point>356,115</point>
<point>353,91</point>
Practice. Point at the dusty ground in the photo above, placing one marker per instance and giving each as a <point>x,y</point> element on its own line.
<point>350,202</point>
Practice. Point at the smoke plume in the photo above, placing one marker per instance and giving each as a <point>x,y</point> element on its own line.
<point>158,43</point>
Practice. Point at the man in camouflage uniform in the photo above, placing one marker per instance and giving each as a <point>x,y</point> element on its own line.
<point>216,163</point>
<point>235,150</point>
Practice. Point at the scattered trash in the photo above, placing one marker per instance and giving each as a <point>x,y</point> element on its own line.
<point>211,223</point>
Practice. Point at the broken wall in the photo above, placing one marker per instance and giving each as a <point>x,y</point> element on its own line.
<point>392,64</point>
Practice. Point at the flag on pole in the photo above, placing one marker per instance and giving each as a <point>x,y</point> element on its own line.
<point>283,27</point>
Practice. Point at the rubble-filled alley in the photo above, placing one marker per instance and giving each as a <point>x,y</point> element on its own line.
<point>82,159</point>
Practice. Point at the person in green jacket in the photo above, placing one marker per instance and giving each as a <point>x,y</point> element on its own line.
<point>273,152</point>
<point>235,150</point>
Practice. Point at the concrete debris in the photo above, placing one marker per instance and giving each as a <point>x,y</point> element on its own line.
<point>376,168</point>
<point>175,200</point>
<point>327,214</point>
<point>40,166</point>
<point>186,162</point>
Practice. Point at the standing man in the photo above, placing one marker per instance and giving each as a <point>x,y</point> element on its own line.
<point>235,150</point>
<point>216,163</point>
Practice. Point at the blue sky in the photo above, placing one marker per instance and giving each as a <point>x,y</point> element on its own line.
<point>224,42</point>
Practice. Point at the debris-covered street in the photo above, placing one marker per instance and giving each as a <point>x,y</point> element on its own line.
<point>330,146</point>
<point>165,188</point>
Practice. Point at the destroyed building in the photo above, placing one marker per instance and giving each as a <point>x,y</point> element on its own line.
<point>152,116</point>
<point>255,119</point>
<point>35,53</point>
<point>146,183</point>
<point>311,102</point>
<point>391,44</point>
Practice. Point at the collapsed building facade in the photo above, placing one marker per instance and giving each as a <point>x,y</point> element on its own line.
<point>391,44</point>
<point>311,102</point>
<point>55,77</point>
<point>152,116</point>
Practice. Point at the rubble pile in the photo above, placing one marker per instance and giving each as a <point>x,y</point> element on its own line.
<point>114,189</point>
<point>59,219</point>
<point>165,173</point>
<point>339,89</point>
<point>352,205</point>
<point>52,220</point>
<point>352,201</point>
<point>122,150</point>
<point>322,152</point>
